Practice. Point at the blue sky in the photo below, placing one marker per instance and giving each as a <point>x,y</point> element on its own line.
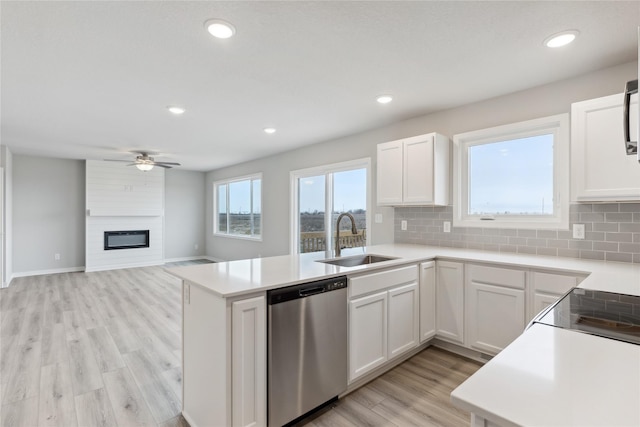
<point>350,191</point>
<point>514,176</point>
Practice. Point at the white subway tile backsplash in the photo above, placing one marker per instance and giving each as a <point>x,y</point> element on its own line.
<point>612,233</point>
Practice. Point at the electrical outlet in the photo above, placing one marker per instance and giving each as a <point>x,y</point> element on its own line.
<point>56,257</point>
<point>446,227</point>
<point>403,225</point>
<point>578,231</point>
<point>378,218</point>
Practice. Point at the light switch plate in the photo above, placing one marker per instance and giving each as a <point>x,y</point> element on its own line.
<point>378,218</point>
<point>403,225</point>
<point>578,231</point>
<point>446,227</point>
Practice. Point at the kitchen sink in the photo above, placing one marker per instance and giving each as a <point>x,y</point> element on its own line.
<point>352,261</point>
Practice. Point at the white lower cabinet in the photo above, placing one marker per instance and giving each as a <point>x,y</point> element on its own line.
<point>403,333</point>
<point>450,301</point>
<point>248,356</point>
<point>495,307</point>
<point>384,324</point>
<point>427,300</point>
<point>224,359</point>
<point>367,334</point>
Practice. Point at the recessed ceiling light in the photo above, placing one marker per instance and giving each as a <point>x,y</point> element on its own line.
<point>384,99</point>
<point>561,39</point>
<point>219,28</point>
<point>270,130</point>
<point>176,110</point>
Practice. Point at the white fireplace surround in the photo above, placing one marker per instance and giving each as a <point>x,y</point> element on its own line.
<point>123,198</point>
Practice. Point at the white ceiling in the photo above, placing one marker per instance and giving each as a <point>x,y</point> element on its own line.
<point>91,79</point>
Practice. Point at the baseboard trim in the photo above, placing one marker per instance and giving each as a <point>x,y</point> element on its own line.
<point>188,258</point>
<point>122,266</point>
<point>43,272</point>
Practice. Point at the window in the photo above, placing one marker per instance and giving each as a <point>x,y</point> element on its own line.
<point>513,176</point>
<point>238,207</point>
<point>338,188</point>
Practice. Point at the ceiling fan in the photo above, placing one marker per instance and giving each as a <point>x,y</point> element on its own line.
<point>145,163</point>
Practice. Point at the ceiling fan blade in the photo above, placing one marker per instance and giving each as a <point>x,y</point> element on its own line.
<point>162,166</point>
<point>168,163</point>
<point>114,160</point>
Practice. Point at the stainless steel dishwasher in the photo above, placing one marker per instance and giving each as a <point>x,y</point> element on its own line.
<point>307,348</point>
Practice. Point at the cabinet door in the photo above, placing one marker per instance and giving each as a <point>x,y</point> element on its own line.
<point>403,319</point>
<point>367,334</point>
<point>495,316</point>
<point>418,170</point>
<point>546,288</point>
<point>389,173</point>
<point>600,168</point>
<point>450,301</point>
<point>427,300</point>
<point>249,371</point>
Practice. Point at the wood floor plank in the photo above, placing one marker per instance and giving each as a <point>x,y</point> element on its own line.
<point>23,377</point>
<point>173,378</point>
<point>54,344</point>
<point>57,407</point>
<point>85,372</point>
<point>23,413</point>
<point>105,350</point>
<point>94,409</point>
<point>125,337</point>
<point>359,415</point>
<point>402,415</point>
<point>162,402</point>
<point>128,404</point>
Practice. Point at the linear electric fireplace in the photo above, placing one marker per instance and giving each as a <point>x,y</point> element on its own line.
<point>128,239</point>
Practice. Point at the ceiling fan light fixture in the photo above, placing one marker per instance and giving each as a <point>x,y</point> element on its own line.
<point>176,110</point>
<point>220,29</point>
<point>270,130</point>
<point>561,39</point>
<point>384,99</point>
<point>144,167</point>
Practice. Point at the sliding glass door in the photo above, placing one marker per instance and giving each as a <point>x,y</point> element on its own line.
<point>335,189</point>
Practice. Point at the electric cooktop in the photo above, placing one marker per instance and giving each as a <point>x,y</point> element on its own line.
<point>605,314</point>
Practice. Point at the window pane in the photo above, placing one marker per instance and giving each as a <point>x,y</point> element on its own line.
<point>240,208</point>
<point>222,208</point>
<point>311,202</point>
<point>513,177</point>
<point>350,195</point>
<point>257,197</point>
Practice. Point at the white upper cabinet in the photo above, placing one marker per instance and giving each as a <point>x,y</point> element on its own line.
<point>600,168</point>
<point>414,171</point>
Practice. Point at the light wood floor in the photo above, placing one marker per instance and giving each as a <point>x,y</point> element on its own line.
<point>103,349</point>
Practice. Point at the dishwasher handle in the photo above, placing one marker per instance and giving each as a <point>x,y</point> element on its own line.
<point>311,291</point>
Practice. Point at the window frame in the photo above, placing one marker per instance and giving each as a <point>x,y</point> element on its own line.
<point>558,125</point>
<point>296,175</point>
<point>216,215</point>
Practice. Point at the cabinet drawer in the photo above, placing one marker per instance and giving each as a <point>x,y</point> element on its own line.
<point>497,276</point>
<point>373,282</point>
<point>552,283</point>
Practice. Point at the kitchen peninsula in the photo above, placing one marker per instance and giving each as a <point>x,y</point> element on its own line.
<point>224,338</point>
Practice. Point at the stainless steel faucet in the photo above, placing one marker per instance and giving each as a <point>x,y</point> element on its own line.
<point>354,230</point>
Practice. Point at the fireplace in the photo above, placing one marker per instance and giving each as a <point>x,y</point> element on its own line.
<point>126,239</point>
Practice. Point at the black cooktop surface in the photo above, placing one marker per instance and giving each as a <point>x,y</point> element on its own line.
<point>606,314</point>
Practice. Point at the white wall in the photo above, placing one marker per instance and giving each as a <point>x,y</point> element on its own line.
<point>184,215</point>
<point>48,214</point>
<point>6,161</point>
<point>533,103</point>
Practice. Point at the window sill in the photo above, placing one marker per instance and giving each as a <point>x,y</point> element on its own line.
<point>239,237</point>
<point>528,223</point>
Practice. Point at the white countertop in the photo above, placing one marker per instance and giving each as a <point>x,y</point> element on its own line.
<point>235,278</point>
<point>556,377</point>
